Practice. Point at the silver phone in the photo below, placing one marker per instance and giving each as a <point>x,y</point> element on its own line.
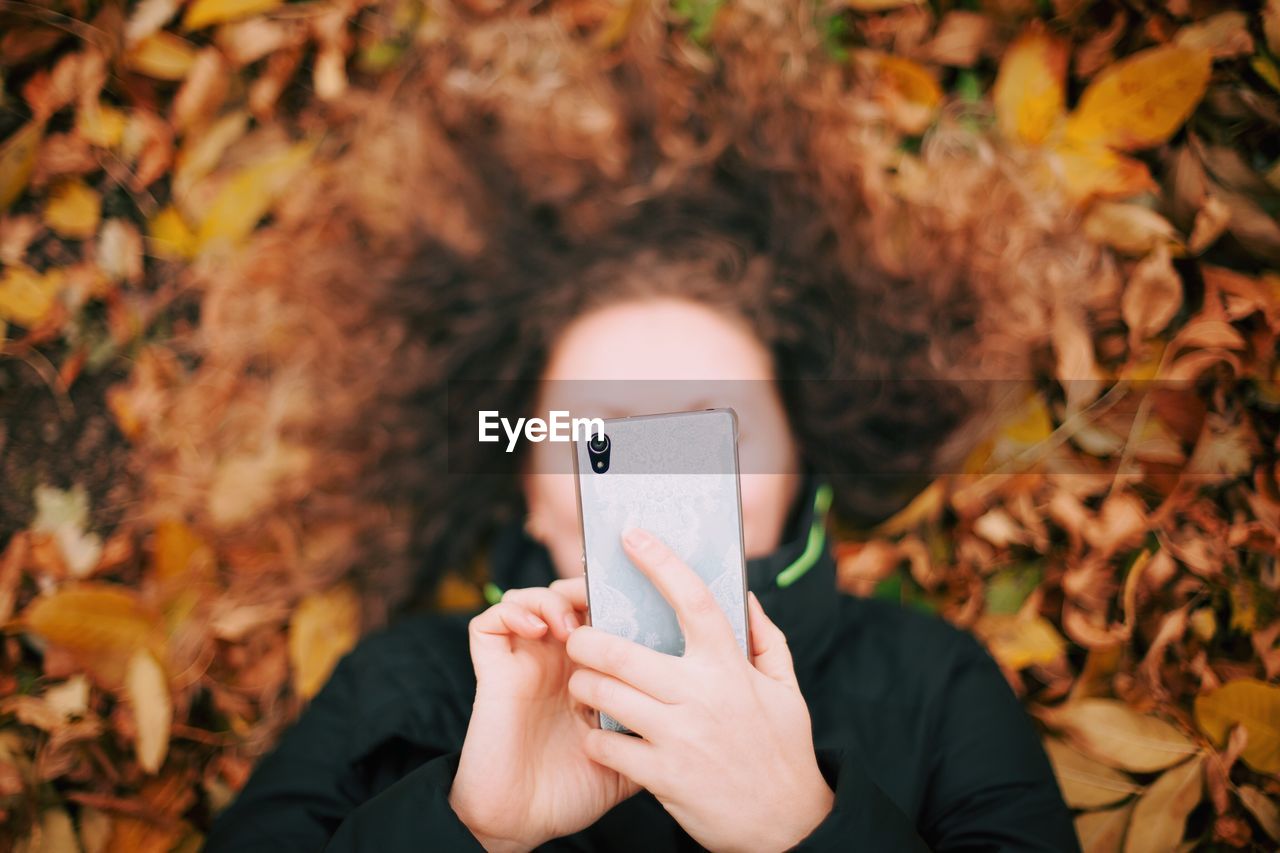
<point>675,475</point>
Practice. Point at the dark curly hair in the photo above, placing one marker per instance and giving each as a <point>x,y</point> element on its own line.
<point>751,244</point>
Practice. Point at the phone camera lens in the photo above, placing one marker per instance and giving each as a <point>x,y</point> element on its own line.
<point>598,452</point>
<point>599,443</point>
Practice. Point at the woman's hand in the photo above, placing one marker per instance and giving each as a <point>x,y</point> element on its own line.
<point>523,777</point>
<point>727,747</point>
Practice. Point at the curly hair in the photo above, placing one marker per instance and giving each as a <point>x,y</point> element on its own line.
<point>745,242</point>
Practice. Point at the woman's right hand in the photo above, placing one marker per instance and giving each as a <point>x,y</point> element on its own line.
<point>523,778</point>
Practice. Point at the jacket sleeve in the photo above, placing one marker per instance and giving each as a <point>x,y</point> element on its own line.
<point>990,784</point>
<point>306,795</point>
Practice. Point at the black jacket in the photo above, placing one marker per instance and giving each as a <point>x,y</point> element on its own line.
<point>916,730</point>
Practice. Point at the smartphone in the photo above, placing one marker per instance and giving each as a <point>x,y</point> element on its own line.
<point>675,475</point>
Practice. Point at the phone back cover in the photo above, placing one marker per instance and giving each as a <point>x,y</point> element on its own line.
<point>675,475</point>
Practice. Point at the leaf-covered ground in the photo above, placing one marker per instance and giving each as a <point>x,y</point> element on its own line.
<point>204,210</point>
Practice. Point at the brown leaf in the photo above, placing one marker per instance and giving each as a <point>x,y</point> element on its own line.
<point>1160,816</point>
<point>1111,732</point>
<point>1103,832</point>
<point>1085,783</point>
<point>147,687</point>
<point>1224,35</point>
<point>1263,808</point>
<point>1151,297</point>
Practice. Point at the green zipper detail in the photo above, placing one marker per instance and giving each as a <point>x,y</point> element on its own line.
<point>817,540</point>
<point>786,577</point>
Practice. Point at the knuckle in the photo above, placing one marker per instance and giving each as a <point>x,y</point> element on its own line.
<point>701,601</point>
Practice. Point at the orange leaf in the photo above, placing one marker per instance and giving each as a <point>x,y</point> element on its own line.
<point>102,625</point>
<point>1029,91</point>
<point>1094,171</point>
<point>1141,100</point>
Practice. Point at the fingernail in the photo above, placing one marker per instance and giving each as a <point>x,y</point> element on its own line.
<point>636,538</point>
<point>570,622</point>
<point>534,621</point>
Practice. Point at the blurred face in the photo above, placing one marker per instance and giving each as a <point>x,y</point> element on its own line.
<point>663,339</point>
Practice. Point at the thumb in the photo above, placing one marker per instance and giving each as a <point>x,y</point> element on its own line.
<point>769,650</point>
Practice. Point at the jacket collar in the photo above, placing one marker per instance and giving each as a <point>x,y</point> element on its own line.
<point>795,583</point>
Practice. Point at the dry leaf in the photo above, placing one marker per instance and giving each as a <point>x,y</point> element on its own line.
<point>102,625</point>
<point>17,160</point>
<point>73,210</point>
<point>1103,832</point>
<point>1253,704</point>
<point>1029,91</point>
<point>323,628</point>
<point>1131,228</point>
<point>64,515</point>
<point>204,13</point>
<point>26,296</point>
<point>1018,642</point>
<point>1160,815</point>
<point>1085,783</point>
<point>1224,35</point>
<point>249,194</point>
<point>164,56</point>
<point>147,687</point>
<point>1151,297</point>
<point>1263,808</point>
<point>1141,100</point>
<point>1116,735</point>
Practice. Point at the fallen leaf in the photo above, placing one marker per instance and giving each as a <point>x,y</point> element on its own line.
<point>1131,228</point>
<point>1160,815</point>
<point>204,13</point>
<point>1263,808</point>
<point>1141,100</point>
<point>18,160</point>
<point>147,687</point>
<point>1152,296</point>
<point>163,56</point>
<point>1118,736</point>
<point>323,628</point>
<point>1029,92</point>
<point>1224,35</point>
<point>1103,832</point>
<point>1085,783</point>
<point>169,236</point>
<point>102,625</point>
<point>1018,642</point>
<point>249,194</point>
<point>26,296</point>
<point>64,515</point>
<point>1090,170</point>
<point>1253,704</point>
<point>73,210</point>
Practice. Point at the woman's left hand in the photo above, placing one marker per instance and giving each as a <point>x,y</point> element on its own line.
<point>725,744</point>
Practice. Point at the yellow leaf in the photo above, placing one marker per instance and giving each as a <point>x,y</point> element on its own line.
<point>1141,100</point>
<point>1253,704</point>
<point>1266,69</point>
<point>907,90</point>
<point>1103,832</point>
<point>101,124</point>
<point>163,56</point>
<point>249,194</point>
<point>101,625</point>
<point>202,13</point>
<point>1088,170</point>
<point>170,237</point>
<point>1085,783</point>
<point>1029,92</point>
<point>178,553</point>
<point>1118,736</point>
<point>1018,642</point>
<point>148,690</point>
<point>26,296</point>
<point>1160,816</point>
<point>323,628</point>
<point>73,210</point>
<point>17,160</point>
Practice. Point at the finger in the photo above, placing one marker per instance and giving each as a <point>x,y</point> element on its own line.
<point>637,711</point>
<point>769,650</point>
<point>701,619</point>
<point>574,589</point>
<point>643,668</point>
<point>554,609</point>
<point>627,756</point>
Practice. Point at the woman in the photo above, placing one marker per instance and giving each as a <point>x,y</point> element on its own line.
<point>855,724</point>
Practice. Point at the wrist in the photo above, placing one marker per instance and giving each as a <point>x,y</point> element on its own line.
<point>812,808</point>
<point>490,841</point>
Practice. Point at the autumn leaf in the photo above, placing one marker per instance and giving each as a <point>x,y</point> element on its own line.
<point>73,210</point>
<point>204,13</point>
<point>64,515</point>
<point>1085,783</point>
<point>1111,732</point>
<point>1253,704</point>
<point>1141,100</point>
<point>147,687</point>
<point>102,625</point>
<point>1029,92</point>
<point>323,628</point>
<point>1019,642</point>
<point>163,56</point>
<point>249,194</point>
<point>26,296</point>
<point>1160,815</point>
<point>1103,831</point>
<point>17,160</point>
